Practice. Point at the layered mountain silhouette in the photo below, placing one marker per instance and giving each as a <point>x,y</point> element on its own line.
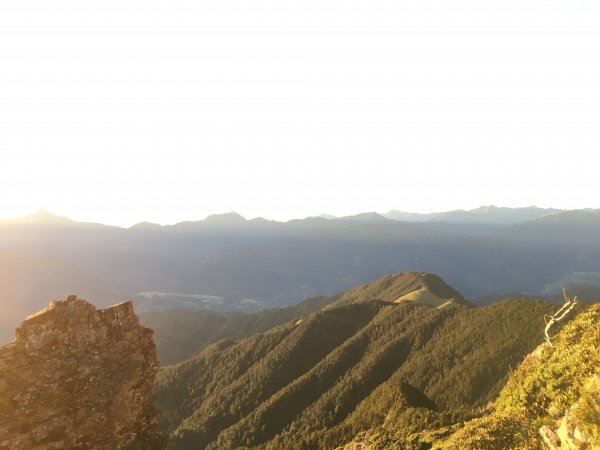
<point>486,215</point>
<point>248,265</point>
<point>372,356</point>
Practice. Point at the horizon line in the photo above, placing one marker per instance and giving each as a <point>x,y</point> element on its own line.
<point>43,213</point>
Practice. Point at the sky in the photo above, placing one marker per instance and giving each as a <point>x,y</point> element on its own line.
<point>124,111</point>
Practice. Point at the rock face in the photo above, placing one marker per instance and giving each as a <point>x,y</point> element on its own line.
<point>78,377</point>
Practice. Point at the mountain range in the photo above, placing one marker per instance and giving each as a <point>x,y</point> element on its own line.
<point>490,215</point>
<point>226,263</point>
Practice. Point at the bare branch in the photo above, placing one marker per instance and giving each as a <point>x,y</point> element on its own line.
<point>565,295</point>
<point>559,315</point>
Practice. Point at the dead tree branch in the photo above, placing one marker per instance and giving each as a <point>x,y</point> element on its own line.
<point>560,314</point>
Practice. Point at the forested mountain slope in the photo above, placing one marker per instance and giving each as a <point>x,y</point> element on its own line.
<point>551,402</point>
<point>360,362</point>
<point>181,334</point>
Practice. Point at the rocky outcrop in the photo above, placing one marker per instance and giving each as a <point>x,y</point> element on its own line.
<point>78,378</point>
<point>568,433</point>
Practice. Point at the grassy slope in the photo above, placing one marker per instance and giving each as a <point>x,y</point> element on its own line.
<point>423,296</point>
<point>390,287</point>
<point>542,391</point>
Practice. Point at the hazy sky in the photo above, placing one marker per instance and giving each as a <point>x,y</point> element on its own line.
<point>122,111</point>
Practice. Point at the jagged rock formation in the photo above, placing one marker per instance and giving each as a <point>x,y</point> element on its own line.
<point>78,377</point>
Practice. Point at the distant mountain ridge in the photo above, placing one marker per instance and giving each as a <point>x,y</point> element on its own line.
<point>484,215</point>
<point>256,264</point>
